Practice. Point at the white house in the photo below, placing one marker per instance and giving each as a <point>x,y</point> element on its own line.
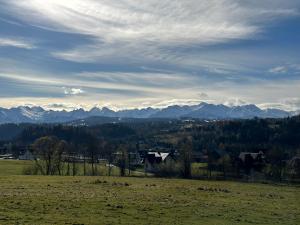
<point>26,156</point>
<point>154,159</point>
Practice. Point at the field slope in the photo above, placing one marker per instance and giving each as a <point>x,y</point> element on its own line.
<point>114,200</point>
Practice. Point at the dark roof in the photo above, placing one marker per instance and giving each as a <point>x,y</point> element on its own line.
<point>254,156</point>
<point>156,157</point>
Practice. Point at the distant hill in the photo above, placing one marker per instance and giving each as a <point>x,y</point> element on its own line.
<point>10,131</point>
<point>24,114</point>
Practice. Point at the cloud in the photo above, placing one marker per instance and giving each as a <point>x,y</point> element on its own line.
<point>234,102</point>
<point>16,43</point>
<point>73,91</point>
<point>120,84</point>
<point>278,69</point>
<point>170,102</point>
<point>219,71</point>
<point>169,21</point>
<point>127,53</point>
<point>60,106</point>
<point>148,29</point>
<point>288,104</point>
<point>124,89</point>
<point>293,103</point>
<point>288,68</point>
<point>146,80</point>
<point>203,95</point>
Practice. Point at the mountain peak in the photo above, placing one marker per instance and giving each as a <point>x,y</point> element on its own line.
<point>201,111</point>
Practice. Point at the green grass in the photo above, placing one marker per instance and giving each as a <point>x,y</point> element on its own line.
<point>114,200</point>
<point>13,167</point>
<point>143,201</point>
<point>16,167</point>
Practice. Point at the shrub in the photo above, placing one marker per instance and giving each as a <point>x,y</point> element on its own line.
<point>168,170</point>
<point>30,170</point>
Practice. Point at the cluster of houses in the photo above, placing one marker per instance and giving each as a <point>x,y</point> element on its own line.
<point>23,154</point>
<point>152,159</point>
<point>7,156</point>
<point>27,155</point>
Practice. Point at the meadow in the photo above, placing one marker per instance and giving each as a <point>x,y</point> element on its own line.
<point>13,167</point>
<point>133,200</point>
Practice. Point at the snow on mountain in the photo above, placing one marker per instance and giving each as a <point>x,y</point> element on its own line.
<point>102,112</point>
<point>210,111</point>
<point>276,113</point>
<point>295,113</point>
<point>174,111</point>
<point>245,111</point>
<point>25,114</point>
<point>137,113</point>
<point>34,113</point>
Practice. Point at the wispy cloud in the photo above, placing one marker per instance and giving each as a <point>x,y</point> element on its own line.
<point>292,103</point>
<point>120,84</point>
<point>166,22</point>
<point>149,28</point>
<point>131,53</point>
<point>289,104</point>
<point>287,68</point>
<point>73,91</point>
<point>16,43</point>
<point>234,102</point>
<point>278,69</point>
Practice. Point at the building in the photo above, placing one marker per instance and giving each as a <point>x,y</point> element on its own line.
<point>134,159</point>
<point>3,150</point>
<point>251,161</point>
<point>294,166</point>
<point>199,157</point>
<point>7,156</point>
<point>27,155</point>
<point>255,157</point>
<point>153,160</point>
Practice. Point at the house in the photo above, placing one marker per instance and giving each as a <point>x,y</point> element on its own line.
<point>255,157</point>
<point>294,165</point>
<point>27,156</point>
<point>7,156</point>
<point>199,157</point>
<point>153,160</point>
<point>250,161</point>
<point>2,150</point>
<point>134,158</point>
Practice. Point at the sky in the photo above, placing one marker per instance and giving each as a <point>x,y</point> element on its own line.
<point>66,54</point>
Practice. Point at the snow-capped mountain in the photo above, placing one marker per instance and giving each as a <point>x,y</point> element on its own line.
<point>25,114</point>
<point>174,111</point>
<point>210,111</point>
<point>102,112</point>
<point>137,113</point>
<point>295,113</point>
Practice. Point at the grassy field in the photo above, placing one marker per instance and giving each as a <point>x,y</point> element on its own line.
<point>13,167</point>
<point>17,167</point>
<point>115,200</point>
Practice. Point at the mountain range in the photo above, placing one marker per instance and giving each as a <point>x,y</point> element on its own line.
<point>25,114</point>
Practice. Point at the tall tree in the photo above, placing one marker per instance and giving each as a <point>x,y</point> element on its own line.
<point>47,151</point>
<point>185,150</point>
<point>122,159</point>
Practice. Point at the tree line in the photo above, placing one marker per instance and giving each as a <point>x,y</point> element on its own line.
<point>221,142</point>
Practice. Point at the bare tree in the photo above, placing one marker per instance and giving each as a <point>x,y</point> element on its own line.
<point>62,147</point>
<point>185,150</point>
<point>48,154</point>
<point>122,159</point>
<point>109,153</point>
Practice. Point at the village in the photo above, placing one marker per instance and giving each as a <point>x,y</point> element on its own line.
<point>161,161</point>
